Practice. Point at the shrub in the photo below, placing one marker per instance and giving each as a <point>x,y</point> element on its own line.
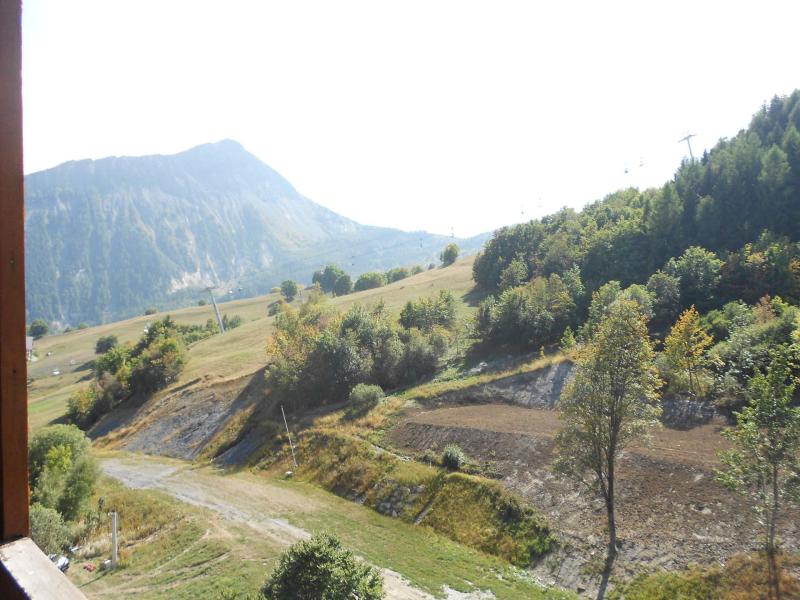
<point>289,290</point>
<point>396,274</point>
<point>151,310</point>
<point>453,457</point>
<point>343,285</point>
<point>61,471</point>
<point>38,329</point>
<point>105,343</point>
<point>158,365</point>
<point>369,281</point>
<point>426,313</point>
<point>321,568</point>
<point>363,398</point>
<point>48,529</point>
<point>80,407</point>
<point>66,436</point>
<point>231,322</point>
<point>273,308</point>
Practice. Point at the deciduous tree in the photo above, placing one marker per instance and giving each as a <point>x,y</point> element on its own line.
<point>764,463</point>
<point>610,403</point>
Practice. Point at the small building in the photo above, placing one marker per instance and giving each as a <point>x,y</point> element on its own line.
<point>29,347</point>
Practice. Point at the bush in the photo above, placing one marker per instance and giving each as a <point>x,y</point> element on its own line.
<point>62,473</point>
<point>369,281</point>
<point>321,568</point>
<point>273,308</point>
<point>426,313</point>
<point>363,398</point>
<point>231,322</point>
<point>343,285</point>
<point>105,343</point>
<point>80,407</point>
<point>158,365</point>
<point>396,274</point>
<point>453,457</point>
<point>289,290</point>
<point>48,529</point>
<point>38,329</point>
<point>151,310</point>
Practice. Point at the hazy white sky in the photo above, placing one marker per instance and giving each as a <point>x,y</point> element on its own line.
<point>419,115</point>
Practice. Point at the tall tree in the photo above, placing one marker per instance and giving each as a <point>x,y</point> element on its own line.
<point>611,402</point>
<point>764,463</point>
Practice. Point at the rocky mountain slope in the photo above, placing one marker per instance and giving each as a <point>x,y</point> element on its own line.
<point>107,238</point>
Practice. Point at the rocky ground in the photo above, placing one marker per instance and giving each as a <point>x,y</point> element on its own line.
<point>671,511</point>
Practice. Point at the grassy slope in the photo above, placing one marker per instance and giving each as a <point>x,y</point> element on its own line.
<point>238,352</point>
<point>200,552</point>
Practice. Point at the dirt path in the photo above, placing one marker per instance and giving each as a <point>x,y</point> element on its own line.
<point>242,498</point>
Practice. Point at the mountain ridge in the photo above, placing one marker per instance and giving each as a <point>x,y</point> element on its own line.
<point>106,238</point>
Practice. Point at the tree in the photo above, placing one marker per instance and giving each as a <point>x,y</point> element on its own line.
<point>699,272</point>
<point>666,293</point>
<point>515,274</point>
<point>610,403</point>
<point>686,346</point>
<point>343,285</point>
<point>158,365</point>
<point>449,254</point>
<point>289,290</point>
<point>427,313</point>
<point>327,277</point>
<point>369,281</point>
<point>396,274</point>
<point>764,463</point>
<point>320,568</point>
<point>38,329</point>
<point>105,343</point>
<point>62,474</point>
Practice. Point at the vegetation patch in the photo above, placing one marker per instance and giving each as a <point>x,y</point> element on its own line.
<point>482,514</point>
<point>474,511</point>
<point>744,576</point>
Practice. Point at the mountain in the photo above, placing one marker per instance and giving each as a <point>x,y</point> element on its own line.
<point>107,238</point>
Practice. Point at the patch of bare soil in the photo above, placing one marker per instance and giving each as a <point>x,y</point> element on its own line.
<point>671,512</point>
<point>180,422</point>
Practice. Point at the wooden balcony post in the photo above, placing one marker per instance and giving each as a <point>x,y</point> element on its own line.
<point>13,368</point>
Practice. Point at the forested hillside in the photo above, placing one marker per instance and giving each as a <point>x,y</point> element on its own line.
<point>107,238</point>
<point>740,201</point>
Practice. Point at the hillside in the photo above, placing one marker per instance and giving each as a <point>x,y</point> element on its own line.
<point>107,238</point>
<point>239,352</point>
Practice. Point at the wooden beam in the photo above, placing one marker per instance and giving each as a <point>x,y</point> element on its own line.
<point>13,368</point>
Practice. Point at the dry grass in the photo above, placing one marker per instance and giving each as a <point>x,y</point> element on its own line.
<point>744,577</point>
<point>238,352</point>
<point>434,389</point>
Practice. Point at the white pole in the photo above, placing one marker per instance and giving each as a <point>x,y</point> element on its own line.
<point>289,435</point>
<point>114,552</point>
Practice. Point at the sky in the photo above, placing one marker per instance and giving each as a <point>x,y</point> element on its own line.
<point>447,116</point>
